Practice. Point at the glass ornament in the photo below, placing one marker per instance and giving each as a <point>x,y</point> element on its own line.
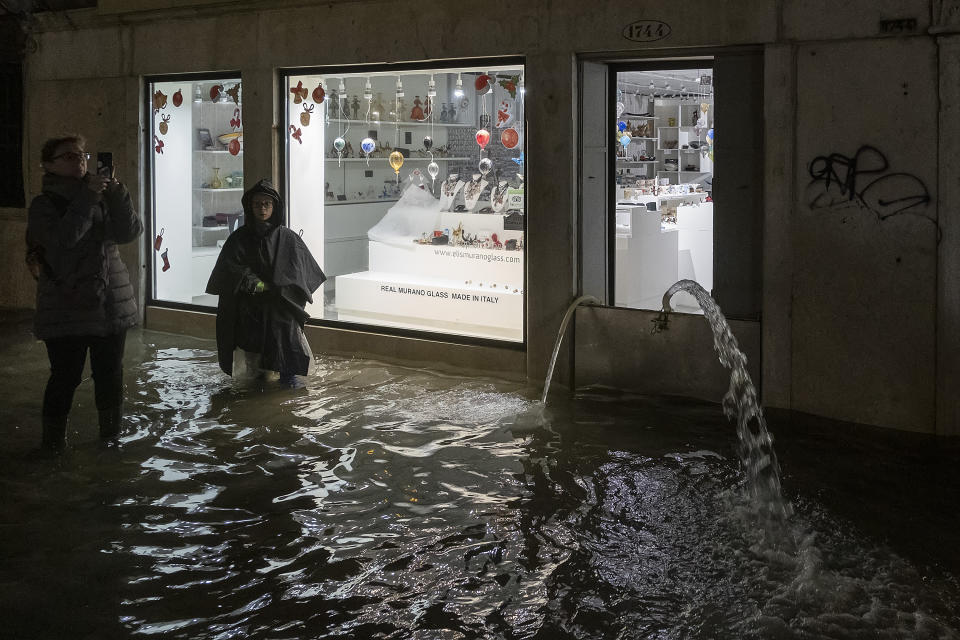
<point>510,138</point>
<point>434,170</point>
<point>396,161</point>
<point>620,108</point>
<point>427,143</point>
<point>625,140</point>
<point>483,137</point>
<point>368,145</point>
<point>339,143</point>
<point>621,126</point>
<point>485,166</point>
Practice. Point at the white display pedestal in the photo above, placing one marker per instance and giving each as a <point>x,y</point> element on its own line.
<point>439,289</point>
<point>646,260</point>
<point>695,245</point>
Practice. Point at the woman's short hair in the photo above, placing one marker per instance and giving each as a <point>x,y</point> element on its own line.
<point>50,146</point>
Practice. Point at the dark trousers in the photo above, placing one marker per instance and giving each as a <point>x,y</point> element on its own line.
<point>67,357</point>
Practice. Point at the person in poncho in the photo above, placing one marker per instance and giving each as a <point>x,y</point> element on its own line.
<point>264,277</point>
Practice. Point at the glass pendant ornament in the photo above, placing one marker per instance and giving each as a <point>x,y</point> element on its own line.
<point>621,126</point>
<point>427,143</point>
<point>485,166</point>
<point>510,138</point>
<point>483,137</point>
<point>483,84</point>
<point>339,143</point>
<point>620,108</point>
<point>434,170</point>
<point>396,161</point>
<point>625,140</point>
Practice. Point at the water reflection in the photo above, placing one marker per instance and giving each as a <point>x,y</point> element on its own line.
<point>383,502</point>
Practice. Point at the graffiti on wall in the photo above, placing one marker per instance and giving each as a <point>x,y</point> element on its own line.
<point>864,181</point>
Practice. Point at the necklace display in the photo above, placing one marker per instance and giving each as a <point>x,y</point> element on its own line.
<point>449,191</point>
<point>472,191</point>
<point>498,199</point>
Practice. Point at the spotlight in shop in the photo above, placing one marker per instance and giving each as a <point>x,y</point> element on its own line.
<point>368,91</point>
<point>432,88</point>
<point>459,90</point>
<point>399,88</point>
<point>651,86</point>
<point>522,88</point>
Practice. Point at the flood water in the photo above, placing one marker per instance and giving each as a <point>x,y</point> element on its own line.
<point>389,502</point>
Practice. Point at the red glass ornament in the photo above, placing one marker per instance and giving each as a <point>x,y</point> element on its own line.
<point>483,137</point>
<point>510,138</point>
<point>177,98</point>
<point>319,94</point>
<point>234,147</point>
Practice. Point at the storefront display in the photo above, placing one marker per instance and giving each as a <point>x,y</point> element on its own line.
<point>663,143</point>
<point>196,181</point>
<point>412,206</point>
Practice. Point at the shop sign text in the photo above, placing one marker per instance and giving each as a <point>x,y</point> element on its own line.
<point>646,31</point>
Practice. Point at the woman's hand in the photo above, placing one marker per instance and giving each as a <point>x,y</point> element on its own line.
<point>98,183</point>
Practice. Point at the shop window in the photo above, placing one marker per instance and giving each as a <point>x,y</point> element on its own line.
<point>407,185</point>
<point>196,181</point>
<point>663,142</point>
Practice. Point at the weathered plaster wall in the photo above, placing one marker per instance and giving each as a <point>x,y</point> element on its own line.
<point>850,301</point>
<point>865,262</point>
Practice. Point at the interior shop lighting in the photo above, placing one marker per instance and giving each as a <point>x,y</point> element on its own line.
<point>342,91</point>
<point>368,91</point>
<point>432,88</point>
<point>459,90</point>
<point>399,87</point>
<point>522,88</point>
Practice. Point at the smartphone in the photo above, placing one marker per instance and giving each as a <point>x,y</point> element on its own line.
<point>105,163</point>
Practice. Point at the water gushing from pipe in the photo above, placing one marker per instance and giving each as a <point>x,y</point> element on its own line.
<point>556,345</point>
<point>741,403</point>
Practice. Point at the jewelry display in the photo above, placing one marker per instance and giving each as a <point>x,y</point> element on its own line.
<point>498,198</point>
<point>449,192</point>
<point>472,191</point>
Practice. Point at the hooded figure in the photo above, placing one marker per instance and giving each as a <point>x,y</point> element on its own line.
<point>264,276</point>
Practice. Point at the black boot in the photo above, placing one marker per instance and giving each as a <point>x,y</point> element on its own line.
<point>110,423</point>
<point>54,433</point>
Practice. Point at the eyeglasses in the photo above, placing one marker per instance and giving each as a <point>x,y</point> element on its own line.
<point>262,205</point>
<point>72,155</point>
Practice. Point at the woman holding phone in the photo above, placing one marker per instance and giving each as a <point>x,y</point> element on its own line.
<point>85,300</point>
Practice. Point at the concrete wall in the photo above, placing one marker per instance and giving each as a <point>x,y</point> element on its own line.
<point>859,319</point>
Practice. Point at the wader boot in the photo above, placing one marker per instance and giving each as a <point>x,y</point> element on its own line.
<point>110,423</point>
<point>54,433</point>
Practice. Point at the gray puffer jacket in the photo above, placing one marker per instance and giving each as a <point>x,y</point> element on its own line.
<point>84,288</point>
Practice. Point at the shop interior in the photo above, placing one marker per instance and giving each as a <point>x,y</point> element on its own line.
<point>407,185</point>
<point>664,157</point>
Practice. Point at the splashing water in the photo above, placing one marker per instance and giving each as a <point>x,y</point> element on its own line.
<point>740,402</point>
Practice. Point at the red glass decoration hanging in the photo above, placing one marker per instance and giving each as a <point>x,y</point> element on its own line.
<point>215,92</point>
<point>235,120</point>
<point>163,124</point>
<point>483,137</point>
<point>319,93</point>
<point>159,145</point>
<point>295,133</point>
<point>234,147</point>
<point>305,116</point>
<point>510,138</point>
<point>177,98</point>
<point>166,261</point>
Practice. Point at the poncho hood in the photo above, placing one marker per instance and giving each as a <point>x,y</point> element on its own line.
<point>265,187</point>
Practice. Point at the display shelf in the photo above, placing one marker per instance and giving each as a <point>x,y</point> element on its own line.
<point>331,203</point>
<point>402,123</point>
<point>223,189</point>
<point>632,162</point>
<point>220,227</point>
<point>217,151</point>
<point>388,159</point>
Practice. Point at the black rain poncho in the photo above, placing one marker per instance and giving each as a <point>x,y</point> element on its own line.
<point>268,323</point>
